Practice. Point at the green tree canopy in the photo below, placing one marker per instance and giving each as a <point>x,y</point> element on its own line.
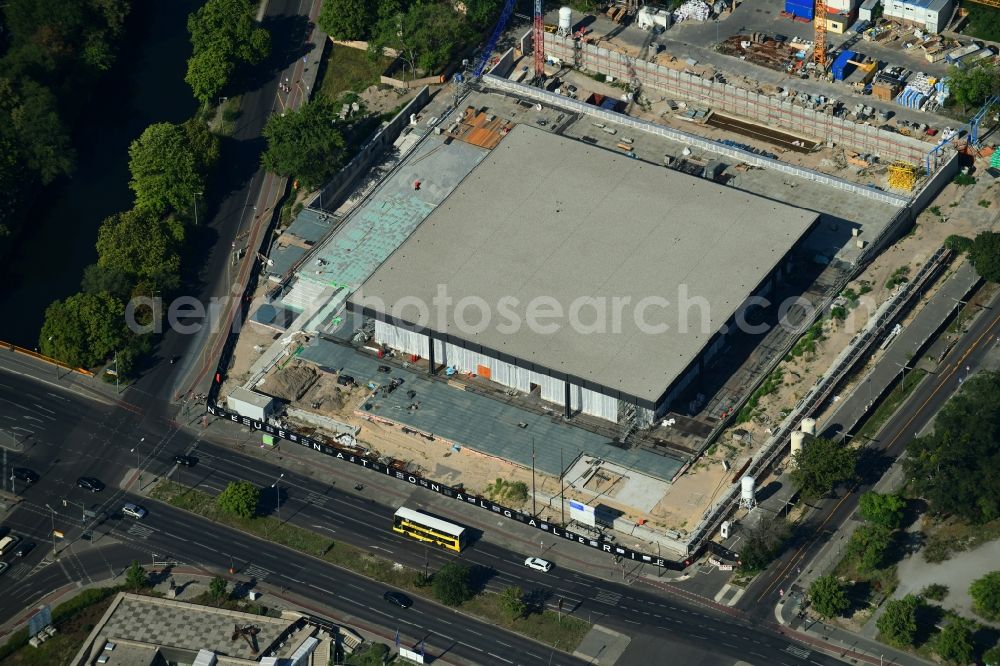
<point>141,244</point>
<point>451,584</point>
<point>347,19</point>
<point>218,589</point>
<point>512,602</point>
<point>827,596</point>
<point>898,623</point>
<point>883,510</point>
<point>224,33</point>
<point>135,576</point>
<point>985,593</point>
<point>30,121</point>
<point>954,467</point>
<point>992,656</point>
<point>426,35</point>
<point>240,498</point>
<point>985,255</point>
<point>483,13</point>
<point>305,143</point>
<point>972,86</point>
<point>83,330</point>
<point>954,643</point>
<point>821,465</point>
<point>762,543</point>
<point>868,546</point>
<point>167,172</point>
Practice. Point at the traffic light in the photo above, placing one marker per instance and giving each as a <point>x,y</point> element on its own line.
<point>65,503</point>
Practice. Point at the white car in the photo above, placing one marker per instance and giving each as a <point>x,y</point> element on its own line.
<point>134,510</point>
<point>538,564</point>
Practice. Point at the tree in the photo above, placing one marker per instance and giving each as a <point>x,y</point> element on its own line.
<point>305,143</point>
<point>992,656</point>
<point>985,255</point>
<point>883,510</point>
<point>482,13</point>
<point>135,576</point>
<point>512,602</point>
<point>972,86</point>
<point>761,543</point>
<point>821,465</point>
<point>32,121</point>
<point>141,244</point>
<point>374,654</point>
<point>953,468</point>
<point>827,596</point>
<point>224,33</point>
<point>347,19</point>
<point>425,35</point>
<point>84,329</point>
<point>868,546</point>
<point>240,499</point>
<point>218,589</point>
<point>985,593</point>
<point>954,643</point>
<point>208,72</point>
<point>167,173</point>
<point>102,278</point>
<point>898,623</point>
<point>451,584</point>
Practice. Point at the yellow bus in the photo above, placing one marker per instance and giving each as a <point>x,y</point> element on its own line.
<point>418,525</point>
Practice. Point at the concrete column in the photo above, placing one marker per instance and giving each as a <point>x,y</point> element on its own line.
<point>569,409</point>
<point>430,354</point>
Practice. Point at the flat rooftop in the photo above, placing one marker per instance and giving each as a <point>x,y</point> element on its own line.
<point>546,219</point>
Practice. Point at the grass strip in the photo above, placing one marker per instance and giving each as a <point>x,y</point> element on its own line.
<point>546,626</point>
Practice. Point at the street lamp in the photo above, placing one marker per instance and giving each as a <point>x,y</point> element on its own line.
<point>53,513</point>
<point>138,464</point>
<point>277,496</point>
<point>196,195</point>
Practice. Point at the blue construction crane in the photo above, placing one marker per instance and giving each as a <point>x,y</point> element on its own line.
<point>978,118</point>
<point>494,38</point>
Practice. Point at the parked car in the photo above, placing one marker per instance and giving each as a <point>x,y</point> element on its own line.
<point>25,474</point>
<point>538,564</point>
<point>90,483</point>
<point>185,460</point>
<point>134,510</point>
<point>25,548</point>
<point>398,598</point>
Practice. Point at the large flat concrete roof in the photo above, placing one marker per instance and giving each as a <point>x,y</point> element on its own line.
<point>549,217</point>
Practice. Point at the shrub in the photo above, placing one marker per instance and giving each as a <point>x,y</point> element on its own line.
<point>935,592</point>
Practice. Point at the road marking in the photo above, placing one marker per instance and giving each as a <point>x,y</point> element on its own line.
<point>317,587</point>
<point>139,531</point>
<point>801,653</point>
<point>356,587</point>
<point>474,647</point>
<point>381,548</point>
<point>496,656</point>
<point>257,572</point>
<point>758,654</point>
<point>609,598</point>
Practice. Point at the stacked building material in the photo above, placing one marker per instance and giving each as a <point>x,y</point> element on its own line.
<point>917,91</point>
<point>692,9</point>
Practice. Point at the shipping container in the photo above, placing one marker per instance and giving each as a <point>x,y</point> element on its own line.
<point>841,67</point>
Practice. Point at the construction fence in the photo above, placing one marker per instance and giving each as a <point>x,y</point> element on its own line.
<point>766,109</point>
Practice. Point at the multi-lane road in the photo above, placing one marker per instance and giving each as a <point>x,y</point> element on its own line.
<point>82,437</point>
<point>925,401</point>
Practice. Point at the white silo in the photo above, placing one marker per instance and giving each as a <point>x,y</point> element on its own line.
<point>565,21</point>
<point>808,426</point>
<point>748,493</point>
<point>798,441</point>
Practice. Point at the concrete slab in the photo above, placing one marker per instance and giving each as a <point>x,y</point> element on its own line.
<point>602,646</point>
<point>482,423</point>
<point>632,488</point>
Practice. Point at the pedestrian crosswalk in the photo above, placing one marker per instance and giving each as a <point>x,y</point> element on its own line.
<point>801,653</point>
<point>315,499</point>
<point>729,594</point>
<point>257,573</point>
<point>139,531</point>
<point>609,598</point>
<point>18,571</point>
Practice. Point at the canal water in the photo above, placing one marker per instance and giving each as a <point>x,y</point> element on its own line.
<point>145,86</point>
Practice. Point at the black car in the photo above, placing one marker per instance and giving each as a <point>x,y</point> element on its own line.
<point>24,548</point>
<point>90,483</point>
<point>25,474</point>
<point>185,460</point>
<point>398,598</point>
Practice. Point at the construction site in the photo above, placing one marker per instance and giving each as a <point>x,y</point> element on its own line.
<point>536,185</point>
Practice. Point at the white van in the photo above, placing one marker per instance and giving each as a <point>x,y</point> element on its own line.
<point>7,543</point>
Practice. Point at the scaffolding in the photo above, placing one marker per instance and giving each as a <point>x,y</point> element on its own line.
<point>902,176</point>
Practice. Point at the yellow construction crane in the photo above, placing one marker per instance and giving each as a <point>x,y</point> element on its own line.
<point>819,25</point>
<point>902,176</point>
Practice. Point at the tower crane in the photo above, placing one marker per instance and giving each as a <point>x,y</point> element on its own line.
<point>819,25</point>
<point>538,41</point>
<point>494,38</point>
